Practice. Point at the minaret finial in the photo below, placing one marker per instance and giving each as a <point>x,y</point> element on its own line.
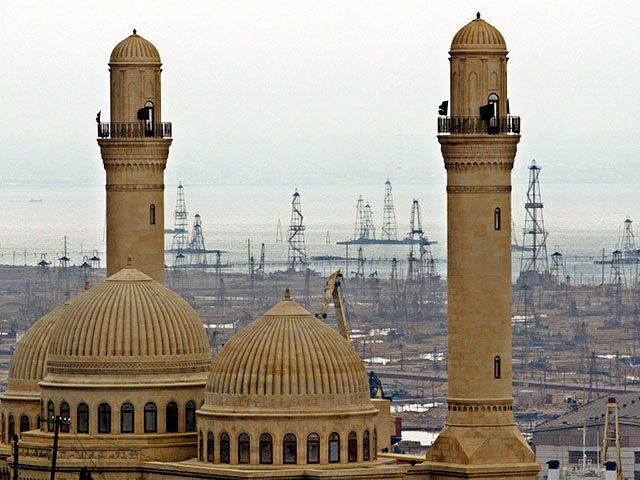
<point>129,262</point>
<point>477,17</point>
<point>134,30</point>
<point>287,294</point>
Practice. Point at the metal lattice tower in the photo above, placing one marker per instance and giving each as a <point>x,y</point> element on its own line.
<point>359,231</point>
<point>534,242</point>
<point>297,255</point>
<point>415,267</point>
<point>558,270</point>
<point>370,230</point>
<point>180,223</point>
<point>279,237</point>
<point>196,246</point>
<point>628,240</point>
<point>616,277</point>
<point>389,230</point>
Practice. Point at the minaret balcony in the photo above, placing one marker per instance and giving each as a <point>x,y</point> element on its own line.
<point>134,130</point>
<point>476,125</point>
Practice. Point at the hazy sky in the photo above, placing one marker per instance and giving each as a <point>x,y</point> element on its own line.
<point>301,91</point>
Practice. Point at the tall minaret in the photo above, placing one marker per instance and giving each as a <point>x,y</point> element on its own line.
<point>480,439</point>
<point>135,147</point>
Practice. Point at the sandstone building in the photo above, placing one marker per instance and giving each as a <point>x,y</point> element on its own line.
<point>128,361</point>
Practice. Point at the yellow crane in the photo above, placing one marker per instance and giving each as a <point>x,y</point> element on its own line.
<point>333,291</point>
<point>612,435</point>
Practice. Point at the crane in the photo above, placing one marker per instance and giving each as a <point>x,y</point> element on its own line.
<point>333,291</point>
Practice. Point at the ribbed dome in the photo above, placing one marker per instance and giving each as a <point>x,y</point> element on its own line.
<point>128,324</point>
<point>478,35</point>
<point>28,364</point>
<point>133,50</point>
<point>285,353</point>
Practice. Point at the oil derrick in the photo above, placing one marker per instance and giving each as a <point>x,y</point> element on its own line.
<point>368,223</point>
<point>581,339</point>
<point>197,249</point>
<point>628,241</point>
<point>359,229</point>
<point>389,231</point>
<point>327,239</point>
<point>592,372</point>
<point>44,283</point>
<point>178,275</point>
<point>558,271</point>
<point>415,267</point>
<point>180,239</point>
<point>297,255</point>
<point>359,273</point>
<point>279,238</point>
<point>395,295</point>
<point>534,264</point>
<point>64,275</point>
<point>616,284</point>
<point>259,271</point>
<point>219,281</point>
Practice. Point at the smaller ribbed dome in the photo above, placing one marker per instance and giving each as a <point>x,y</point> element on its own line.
<point>28,364</point>
<point>128,325</point>
<point>283,356</point>
<point>134,50</point>
<point>478,35</point>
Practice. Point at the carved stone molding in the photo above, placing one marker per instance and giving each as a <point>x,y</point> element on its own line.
<point>478,188</point>
<point>135,188</point>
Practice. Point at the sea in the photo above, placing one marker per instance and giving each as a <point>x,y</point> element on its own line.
<point>582,221</point>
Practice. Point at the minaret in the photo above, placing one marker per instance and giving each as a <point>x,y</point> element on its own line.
<point>478,142</point>
<point>135,147</point>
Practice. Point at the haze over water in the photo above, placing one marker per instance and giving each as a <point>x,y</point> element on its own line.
<point>581,219</point>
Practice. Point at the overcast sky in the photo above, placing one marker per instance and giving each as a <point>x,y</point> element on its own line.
<point>288,91</point>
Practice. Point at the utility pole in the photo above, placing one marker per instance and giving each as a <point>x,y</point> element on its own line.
<point>56,421</point>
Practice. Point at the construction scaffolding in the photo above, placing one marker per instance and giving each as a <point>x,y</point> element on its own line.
<point>297,254</point>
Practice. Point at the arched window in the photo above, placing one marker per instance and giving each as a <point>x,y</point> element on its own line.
<point>289,449</point>
<point>497,221</point>
<point>65,414</point>
<point>104,418</point>
<point>152,214</point>
<point>150,417</point>
<point>496,367</point>
<point>266,449</point>
<point>352,447</point>
<point>190,416</point>
<point>493,121</point>
<point>83,418</point>
<point>334,448</point>
<point>38,422</point>
<point>210,447</point>
<point>200,452</point>
<point>365,446</point>
<point>225,456</point>
<point>126,418</point>
<point>243,448</point>
<point>24,423</point>
<point>172,417</point>
<point>375,443</point>
<point>313,448</point>
<point>12,428</point>
<point>50,414</point>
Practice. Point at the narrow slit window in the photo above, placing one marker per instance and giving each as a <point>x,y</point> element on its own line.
<point>152,214</point>
<point>497,221</point>
<point>496,367</point>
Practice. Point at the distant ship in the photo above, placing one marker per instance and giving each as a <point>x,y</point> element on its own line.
<point>36,200</point>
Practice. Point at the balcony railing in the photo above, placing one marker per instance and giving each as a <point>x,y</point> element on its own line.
<point>493,126</point>
<point>134,130</point>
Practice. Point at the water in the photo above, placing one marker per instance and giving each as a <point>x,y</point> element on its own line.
<point>582,219</point>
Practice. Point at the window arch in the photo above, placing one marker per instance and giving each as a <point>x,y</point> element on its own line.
<point>365,446</point>
<point>104,418</point>
<point>65,414</point>
<point>225,456</point>
<point>266,449</point>
<point>497,220</point>
<point>50,415</point>
<point>24,423</point>
<point>172,417</point>
<point>313,448</point>
<point>496,367</point>
<point>243,448</point>
<point>210,447</point>
<point>190,416</point>
<point>289,449</point>
<point>11,428</point>
<point>352,447</point>
<point>334,448</point>
<point>82,425</point>
<point>152,214</point>
<point>150,417</point>
<point>127,418</point>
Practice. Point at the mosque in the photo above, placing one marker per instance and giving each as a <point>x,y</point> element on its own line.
<point>122,372</point>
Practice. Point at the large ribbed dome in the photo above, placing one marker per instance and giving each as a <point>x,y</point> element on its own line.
<point>478,35</point>
<point>129,324</point>
<point>28,364</point>
<point>285,354</point>
<point>133,50</point>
